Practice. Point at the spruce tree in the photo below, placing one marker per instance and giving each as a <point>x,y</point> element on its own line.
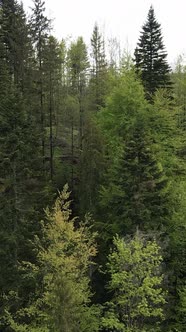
<point>39,28</point>
<point>99,77</point>
<point>51,92</point>
<point>14,36</point>
<point>151,57</point>
<point>139,158</point>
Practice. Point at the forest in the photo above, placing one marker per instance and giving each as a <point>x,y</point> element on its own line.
<point>92,180</point>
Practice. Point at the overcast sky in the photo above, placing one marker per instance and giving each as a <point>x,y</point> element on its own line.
<point>119,18</point>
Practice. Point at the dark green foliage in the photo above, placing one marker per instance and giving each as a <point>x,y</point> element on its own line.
<point>22,181</point>
<point>14,36</point>
<point>138,193</point>
<point>151,57</point>
<point>21,204</point>
<point>65,117</point>
<point>99,72</point>
<point>51,91</point>
<point>39,30</point>
<point>40,26</point>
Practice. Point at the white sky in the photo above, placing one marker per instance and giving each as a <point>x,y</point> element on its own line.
<point>119,18</point>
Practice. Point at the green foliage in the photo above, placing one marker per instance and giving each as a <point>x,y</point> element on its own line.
<point>78,65</point>
<point>65,260</point>
<point>40,26</point>
<point>14,35</point>
<point>67,118</point>
<point>137,296</point>
<point>179,80</point>
<point>182,308</point>
<point>150,57</point>
<point>139,158</point>
<point>99,76</point>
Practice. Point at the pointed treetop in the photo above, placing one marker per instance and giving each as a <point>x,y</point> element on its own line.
<point>151,57</point>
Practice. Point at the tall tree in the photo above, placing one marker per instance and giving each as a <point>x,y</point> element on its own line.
<point>99,75</point>
<point>51,90</point>
<point>78,66</point>
<point>21,183</point>
<point>151,57</point>
<point>14,35</point>
<point>20,170</point>
<point>136,184</point>
<point>179,80</point>
<point>39,28</point>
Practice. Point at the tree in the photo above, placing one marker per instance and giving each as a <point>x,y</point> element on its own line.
<point>179,80</point>
<point>21,186</point>
<point>77,71</point>
<point>99,75</point>
<point>137,298</point>
<point>51,90</point>
<point>14,35</point>
<point>78,65</point>
<point>138,189</point>
<point>39,28</point>
<point>65,259</point>
<point>135,188</point>
<point>21,182</point>
<point>151,57</point>
<point>181,309</point>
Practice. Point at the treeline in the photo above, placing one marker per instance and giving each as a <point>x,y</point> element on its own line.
<point>114,130</point>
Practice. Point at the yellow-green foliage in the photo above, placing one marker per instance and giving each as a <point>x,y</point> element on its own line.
<point>138,298</point>
<point>66,262</point>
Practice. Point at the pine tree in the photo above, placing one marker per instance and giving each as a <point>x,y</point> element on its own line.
<point>151,57</point>
<point>78,69</point>
<point>51,92</point>
<point>20,172</point>
<point>99,75</point>
<point>15,36</point>
<point>21,181</point>
<point>39,29</point>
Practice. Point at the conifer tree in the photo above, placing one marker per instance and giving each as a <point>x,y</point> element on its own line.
<point>74,94</point>
<point>179,80</point>
<point>39,28</point>
<point>99,75</point>
<point>138,189</point>
<point>21,183</point>
<point>15,36</point>
<point>51,92</point>
<point>20,171</point>
<point>136,184</point>
<point>78,70</point>
<point>151,57</point>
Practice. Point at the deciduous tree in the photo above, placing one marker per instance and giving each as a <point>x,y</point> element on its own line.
<point>136,279</point>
